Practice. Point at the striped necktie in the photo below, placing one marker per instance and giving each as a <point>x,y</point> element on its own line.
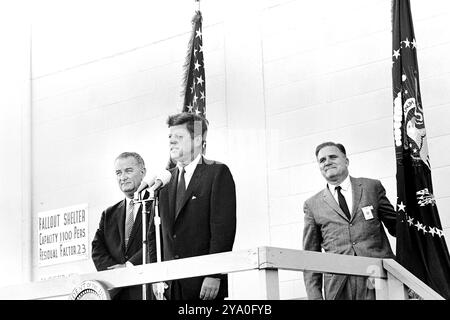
<point>129,222</point>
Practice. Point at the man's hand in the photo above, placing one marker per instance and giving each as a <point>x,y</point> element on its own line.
<point>210,288</point>
<point>158,290</point>
<point>116,266</point>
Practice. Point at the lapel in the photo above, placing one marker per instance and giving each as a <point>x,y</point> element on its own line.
<point>330,201</point>
<point>136,226</point>
<point>193,183</point>
<point>121,222</point>
<point>356,194</point>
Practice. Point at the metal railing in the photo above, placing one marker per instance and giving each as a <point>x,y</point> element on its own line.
<point>390,279</point>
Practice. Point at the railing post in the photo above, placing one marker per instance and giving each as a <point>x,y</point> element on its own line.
<point>396,289</point>
<point>269,285</point>
<point>381,289</point>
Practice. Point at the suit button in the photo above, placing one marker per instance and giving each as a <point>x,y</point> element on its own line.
<point>351,224</point>
<point>126,257</point>
<point>174,236</point>
<point>354,243</point>
<point>176,256</point>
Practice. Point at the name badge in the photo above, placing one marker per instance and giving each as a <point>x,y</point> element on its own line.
<point>367,211</point>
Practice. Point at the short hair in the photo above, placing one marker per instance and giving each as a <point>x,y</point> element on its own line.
<point>192,121</point>
<point>330,144</point>
<point>134,155</point>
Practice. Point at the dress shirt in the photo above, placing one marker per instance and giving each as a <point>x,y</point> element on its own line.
<point>346,190</point>
<point>189,169</point>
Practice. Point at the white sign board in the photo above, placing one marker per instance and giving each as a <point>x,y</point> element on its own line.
<point>63,235</point>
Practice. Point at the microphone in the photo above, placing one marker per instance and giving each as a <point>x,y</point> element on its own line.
<point>144,185</point>
<point>161,180</point>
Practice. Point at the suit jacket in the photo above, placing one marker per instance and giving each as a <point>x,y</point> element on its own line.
<point>326,227</point>
<point>205,223</point>
<point>108,246</point>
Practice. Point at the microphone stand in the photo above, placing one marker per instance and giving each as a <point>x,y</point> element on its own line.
<point>145,213</point>
<point>157,222</point>
<point>154,198</point>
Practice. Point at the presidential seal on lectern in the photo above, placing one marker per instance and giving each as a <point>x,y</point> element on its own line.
<point>90,290</point>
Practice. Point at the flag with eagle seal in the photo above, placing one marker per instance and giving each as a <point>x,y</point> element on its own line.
<point>420,245</point>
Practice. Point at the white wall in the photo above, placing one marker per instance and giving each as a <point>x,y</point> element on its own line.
<point>281,77</point>
<point>15,146</point>
<point>94,97</point>
<point>327,71</point>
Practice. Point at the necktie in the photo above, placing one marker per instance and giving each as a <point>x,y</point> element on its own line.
<point>181,189</point>
<point>342,202</point>
<point>129,222</point>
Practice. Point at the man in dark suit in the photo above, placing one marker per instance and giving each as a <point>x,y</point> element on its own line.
<point>118,240</point>
<point>346,217</point>
<point>197,209</point>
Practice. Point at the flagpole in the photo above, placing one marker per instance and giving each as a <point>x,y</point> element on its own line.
<point>198,5</point>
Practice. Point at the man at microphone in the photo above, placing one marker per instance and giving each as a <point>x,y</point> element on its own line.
<point>118,240</point>
<point>197,209</point>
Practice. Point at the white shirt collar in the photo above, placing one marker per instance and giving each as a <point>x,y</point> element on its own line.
<point>189,169</point>
<point>127,201</point>
<point>345,185</point>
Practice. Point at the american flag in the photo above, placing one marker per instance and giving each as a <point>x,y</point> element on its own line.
<point>421,246</point>
<point>194,81</point>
